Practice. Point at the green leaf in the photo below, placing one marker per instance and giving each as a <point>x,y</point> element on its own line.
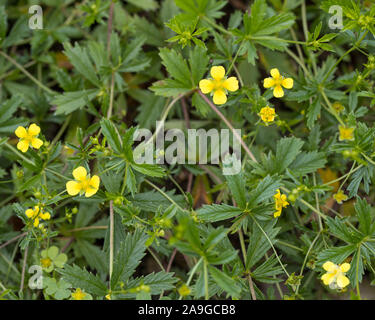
<point>308,162</point>
<point>336,254</point>
<point>198,60</point>
<point>112,135</point>
<point>286,151</point>
<point>95,257</point>
<point>363,210</point>
<point>81,278</point>
<point>218,212</point>
<point>144,4</point>
<point>236,185</point>
<point>128,257</point>
<point>225,282</point>
<point>80,59</point>
<point>176,66</point>
<point>9,107</point>
<point>69,102</point>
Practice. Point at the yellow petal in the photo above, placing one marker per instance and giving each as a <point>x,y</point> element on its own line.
<point>90,191</point>
<point>275,73</point>
<point>287,83</point>
<point>206,86</point>
<point>94,182</point>
<point>218,72</point>
<point>345,267</point>
<point>220,97</point>
<point>23,146</point>
<point>329,266</point>
<point>327,278</point>
<point>277,213</point>
<point>21,132</point>
<point>278,92</point>
<point>36,143</point>
<point>231,84</point>
<point>29,213</point>
<point>80,173</point>
<point>342,281</point>
<point>45,216</point>
<point>33,130</point>
<point>36,222</point>
<point>73,188</point>
<point>268,83</point>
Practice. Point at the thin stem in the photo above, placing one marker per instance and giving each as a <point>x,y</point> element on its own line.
<point>207,296</point>
<point>24,269</point>
<point>156,259</point>
<point>238,137</point>
<point>111,238</point>
<point>356,274</point>
<point>192,272</point>
<point>13,240</point>
<point>62,129</point>
<point>28,74</point>
<point>272,246</point>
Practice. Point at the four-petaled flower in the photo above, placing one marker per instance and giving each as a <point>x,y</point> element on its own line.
<point>78,294</point>
<point>83,183</point>
<point>280,203</point>
<point>50,258</point>
<point>277,82</point>
<point>36,214</point>
<point>340,196</point>
<point>267,114</point>
<point>28,137</point>
<point>346,133</point>
<point>219,85</point>
<point>335,277</point>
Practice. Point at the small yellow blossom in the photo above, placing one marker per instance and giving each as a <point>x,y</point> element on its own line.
<point>267,114</point>
<point>28,137</point>
<point>340,196</point>
<point>78,294</point>
<point>184,290</point>
<point>108,296</point>
<point>36,214</point>
<point>335,277</point>
<point>338,107</point>
<point>277,82</point>
<point>83,183</point>
<point>46,262</point>
<point>219,85</point>
<point>346,133</point>
<point>280,203</point>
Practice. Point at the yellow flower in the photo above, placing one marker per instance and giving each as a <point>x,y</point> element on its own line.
<point>335,277</point>
<point>219,85</point>
<point>46,262</point>
<point>346,133</point>
<point>78,294</point>
<point>280,203</point>
<point>267,114</point>
<point>37,214</point>
<point>83,183</point>
<point>340,197</point>
<point>184,290</point>
<point>338,107</point>
<point>28,137</point>
<point>277,82</point>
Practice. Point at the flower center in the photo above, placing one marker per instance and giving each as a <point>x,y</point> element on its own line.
<point>46,262</point>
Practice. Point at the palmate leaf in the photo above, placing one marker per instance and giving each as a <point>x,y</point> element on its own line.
<point>307,162</point>
<point>201,8</point>
<point>81,278</point>
<point>336,255</point>
<point>287,150</point>
<point>259,30</point>
<point>69,102</point>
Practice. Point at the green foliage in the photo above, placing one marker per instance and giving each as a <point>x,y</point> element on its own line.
<point>81,207</point>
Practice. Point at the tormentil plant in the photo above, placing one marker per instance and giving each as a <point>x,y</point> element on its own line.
<point>297,222</point>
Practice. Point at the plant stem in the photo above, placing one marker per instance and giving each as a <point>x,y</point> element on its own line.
<point>207,296</point>
<point>216,110</point>
<point>111,238</point>
<point>192,272</point>
<point>28,74</point>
